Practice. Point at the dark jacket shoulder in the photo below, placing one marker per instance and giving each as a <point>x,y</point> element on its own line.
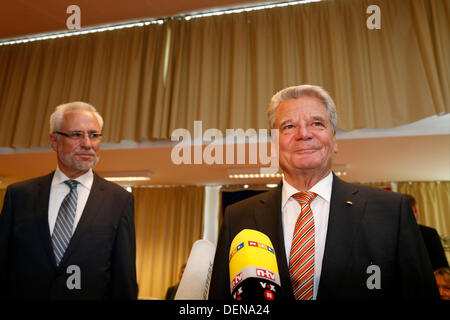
<point>111,186</point>
<point>25,184</point>
<point>371,192</point>
<point>263,197</point>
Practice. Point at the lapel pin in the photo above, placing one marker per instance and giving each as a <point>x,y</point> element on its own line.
<point>349,203</point>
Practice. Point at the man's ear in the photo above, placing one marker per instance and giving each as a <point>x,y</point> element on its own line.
<point>335,145</point>
<point>53,141</point>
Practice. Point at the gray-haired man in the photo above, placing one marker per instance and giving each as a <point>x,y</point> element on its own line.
<point>69,234</point>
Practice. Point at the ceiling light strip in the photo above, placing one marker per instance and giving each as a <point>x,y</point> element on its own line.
<point>142,23</point>
<point>269,5</point>
<point>127,179</point>
<point>64,34</point>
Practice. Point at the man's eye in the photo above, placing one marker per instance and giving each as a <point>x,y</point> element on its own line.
<point>77,134</point>
<point>288,126</point>
<point>317,124</point>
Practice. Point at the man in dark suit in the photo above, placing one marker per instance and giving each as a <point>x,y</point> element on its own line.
<point>69,234</point>
<point>364,244</point>
<point>432,240</point>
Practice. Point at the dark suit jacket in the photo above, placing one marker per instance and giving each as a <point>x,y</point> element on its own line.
<point>378,228</point>
<point>434,247</point>
<point>171,292</point>
<point>103,245</point>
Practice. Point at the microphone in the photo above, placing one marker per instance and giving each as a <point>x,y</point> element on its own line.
<point>253,267</point>
<point>194,285</point>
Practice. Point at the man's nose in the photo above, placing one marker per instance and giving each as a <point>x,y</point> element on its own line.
<point>86,142</point>
<point>303,133</point>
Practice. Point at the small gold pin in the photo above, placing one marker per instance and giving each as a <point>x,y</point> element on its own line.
<point>349,202</point>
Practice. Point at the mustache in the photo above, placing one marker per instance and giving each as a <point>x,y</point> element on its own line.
<point>88,151</point>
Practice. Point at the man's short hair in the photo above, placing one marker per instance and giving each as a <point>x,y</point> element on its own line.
<point>412,200</point>
<point>57,116</point>
<point>297,92</point>
<point>444,272</point>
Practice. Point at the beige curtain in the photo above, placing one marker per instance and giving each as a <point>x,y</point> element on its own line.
<point>168,221</point>
<point>228,67</point>
<point>116,71</point>
<point>148,81</point>
<point>2,197</point>
<point>382,185</point>
<point>433,203</point>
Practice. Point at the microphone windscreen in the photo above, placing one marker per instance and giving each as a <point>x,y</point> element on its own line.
<point>194,284</point>
<point>252,257</point>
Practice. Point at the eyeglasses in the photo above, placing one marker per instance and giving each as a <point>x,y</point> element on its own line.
<point>80,135</point>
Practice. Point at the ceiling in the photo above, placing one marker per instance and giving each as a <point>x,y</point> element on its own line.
<point>24,17</point>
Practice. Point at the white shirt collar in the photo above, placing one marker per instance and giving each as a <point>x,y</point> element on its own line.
<point>85,180</point>
<point>322,188</point>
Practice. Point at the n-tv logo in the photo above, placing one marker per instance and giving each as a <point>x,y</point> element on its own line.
<point>236,280</point>
<point>266,274</point>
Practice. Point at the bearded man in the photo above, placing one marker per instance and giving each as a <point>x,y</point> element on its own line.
<point>69,234</point>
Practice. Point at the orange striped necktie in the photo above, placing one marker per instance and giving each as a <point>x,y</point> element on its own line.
<point>301,262</point>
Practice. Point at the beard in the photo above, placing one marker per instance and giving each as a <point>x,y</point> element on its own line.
<point>70,161</point>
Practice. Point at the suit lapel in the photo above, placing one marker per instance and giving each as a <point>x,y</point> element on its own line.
<point>43,193</point>
<point>90,211</point>
<point>268,220</point>
<point>346,211</point>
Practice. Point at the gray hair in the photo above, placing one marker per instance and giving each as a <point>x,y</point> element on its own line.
<point>57,116</point>
<point>297,92</point>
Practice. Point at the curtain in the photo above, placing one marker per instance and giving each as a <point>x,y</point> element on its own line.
<point>382,185</point>
<point>168,221</point>
<point>223,70</point>
<point>116,71</point>
<point>2,197</point>
<point>433,203</point>
<point>227,68</point>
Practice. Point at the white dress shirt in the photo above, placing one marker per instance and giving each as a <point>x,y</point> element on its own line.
<point>59,190</point>
<point>320,208</point>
